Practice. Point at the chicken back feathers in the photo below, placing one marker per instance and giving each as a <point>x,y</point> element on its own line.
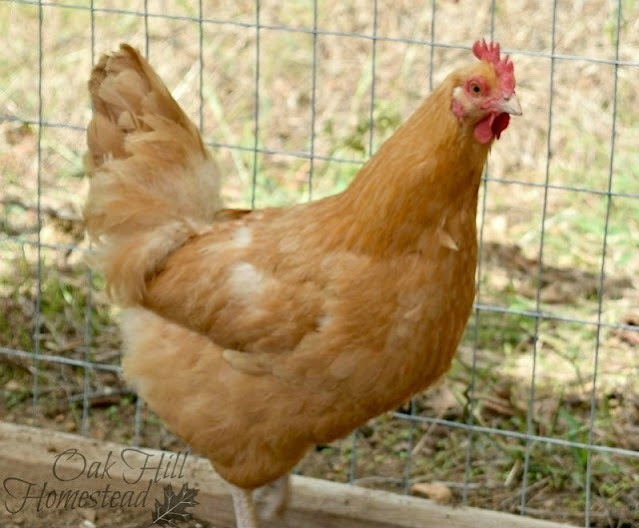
<point>257,334</point>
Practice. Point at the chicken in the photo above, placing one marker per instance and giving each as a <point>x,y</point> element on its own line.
<point>257,334</point>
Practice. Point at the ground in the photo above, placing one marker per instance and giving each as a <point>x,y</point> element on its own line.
<point>561,189</point>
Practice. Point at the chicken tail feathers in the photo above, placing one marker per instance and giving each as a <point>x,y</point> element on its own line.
<point>153,183</point>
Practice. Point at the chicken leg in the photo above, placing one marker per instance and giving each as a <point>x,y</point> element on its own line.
<point>245,516</point>
<point>273,498</point>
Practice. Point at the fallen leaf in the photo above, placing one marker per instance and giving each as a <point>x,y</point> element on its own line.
<point>436,491</point>
<point>12,385</point>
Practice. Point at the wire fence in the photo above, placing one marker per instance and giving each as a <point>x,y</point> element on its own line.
<point>600,190</point>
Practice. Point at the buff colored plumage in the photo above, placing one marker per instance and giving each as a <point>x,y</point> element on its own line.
<point>257,334</point>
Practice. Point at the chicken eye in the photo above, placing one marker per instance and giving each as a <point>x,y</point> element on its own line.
<point>475,88</point>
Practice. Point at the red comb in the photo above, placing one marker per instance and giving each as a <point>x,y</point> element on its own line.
<point>503,67</point>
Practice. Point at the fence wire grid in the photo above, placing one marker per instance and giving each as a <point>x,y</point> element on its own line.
<point>540,414</point>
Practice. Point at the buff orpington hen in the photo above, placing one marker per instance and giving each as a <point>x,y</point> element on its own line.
<point>255,335</point>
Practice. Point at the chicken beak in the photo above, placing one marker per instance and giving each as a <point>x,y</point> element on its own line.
<point>509,105</point>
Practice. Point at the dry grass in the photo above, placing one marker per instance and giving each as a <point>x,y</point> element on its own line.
<point>578,134</point>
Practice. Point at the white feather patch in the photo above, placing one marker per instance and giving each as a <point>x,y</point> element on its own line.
<point>447,241</point>
<point>242,237</point>
<point>246,280</point>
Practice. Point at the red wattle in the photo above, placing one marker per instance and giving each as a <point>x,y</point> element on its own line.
<point>500,124</point>
<point>491,127</point>
<point>483,129</point>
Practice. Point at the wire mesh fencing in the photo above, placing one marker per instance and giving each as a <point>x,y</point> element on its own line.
<point>540,413</point>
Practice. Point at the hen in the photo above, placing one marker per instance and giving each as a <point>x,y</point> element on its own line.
<point>256,334</point>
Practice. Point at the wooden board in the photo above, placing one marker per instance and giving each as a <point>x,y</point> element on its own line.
<point>74,463</point>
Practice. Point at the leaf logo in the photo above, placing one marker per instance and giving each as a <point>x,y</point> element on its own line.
<point>173,510</point>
